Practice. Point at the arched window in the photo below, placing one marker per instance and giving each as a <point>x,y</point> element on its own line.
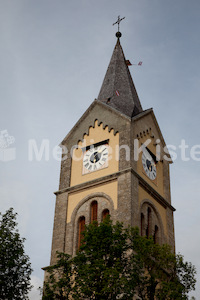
<point>142,224</point>
<point>148,228</point>
<point>94,208</point>
<point>105,213</point>
<point>151,223</point>
<point>155,236</point>
<point>81,227</point>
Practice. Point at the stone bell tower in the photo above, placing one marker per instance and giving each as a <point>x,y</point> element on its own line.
<point>104,175</point>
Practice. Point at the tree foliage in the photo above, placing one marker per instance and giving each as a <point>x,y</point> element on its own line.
<point>101,266</point>
<point>161,273</point>
<point>60,279</point>
<point>117,263</point>
<point>15,268</point>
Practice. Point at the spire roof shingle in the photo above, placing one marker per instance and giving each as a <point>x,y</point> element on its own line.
<point>118,90</point>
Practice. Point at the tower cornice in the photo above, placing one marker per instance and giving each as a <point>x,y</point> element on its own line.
<point>114,176</point>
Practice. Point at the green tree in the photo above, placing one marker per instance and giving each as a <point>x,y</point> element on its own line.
<point>60,279</point>
<point>102,265</point>
<point>161,273</point>
<point>15,268</point>
<point>117,263</point>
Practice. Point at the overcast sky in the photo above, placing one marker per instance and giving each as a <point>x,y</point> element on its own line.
<point>53,58</point>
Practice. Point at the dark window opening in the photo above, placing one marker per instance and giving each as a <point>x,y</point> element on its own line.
<point>81,228</point>
<point>105,213</point>
<point>94,209</point>
<point>148,222</point>
<point>155,236</point>
<point>142,224</point>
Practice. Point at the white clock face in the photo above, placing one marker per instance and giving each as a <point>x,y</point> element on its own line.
<point>95,158</point>
<point>148,164</point>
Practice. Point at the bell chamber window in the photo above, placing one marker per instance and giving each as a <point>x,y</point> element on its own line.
<point>81,227</point>
<point>155,236</point>
<point>148,228</point>
<point>105,213</point>
<point>142,224</point>
<point>150,225</point>
<point>94,210</point>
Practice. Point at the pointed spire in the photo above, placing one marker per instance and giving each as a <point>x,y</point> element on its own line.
<point>118,90</point>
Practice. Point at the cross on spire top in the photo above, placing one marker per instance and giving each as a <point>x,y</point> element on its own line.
<point>118,34</point>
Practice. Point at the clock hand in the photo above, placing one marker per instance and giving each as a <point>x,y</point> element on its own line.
<point>152,164</point>
<point>98,155</point>
<point>95,158</point>
<point>100,151</point>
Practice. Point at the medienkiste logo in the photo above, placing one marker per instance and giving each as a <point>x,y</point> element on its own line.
<point>7,152</point>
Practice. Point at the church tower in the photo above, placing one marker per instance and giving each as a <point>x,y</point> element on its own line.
<point>117,163</point>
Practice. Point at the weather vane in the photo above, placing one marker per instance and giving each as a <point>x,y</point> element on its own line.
<point>118,21</point>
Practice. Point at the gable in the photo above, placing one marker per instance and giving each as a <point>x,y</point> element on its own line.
<point>146,127</point>
<point>101,113</point>
<point>81,155</point>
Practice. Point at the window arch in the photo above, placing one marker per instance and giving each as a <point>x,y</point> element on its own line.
<point>94,209</point>
<point>105,213</point>
<point>151,222</point>
<point>81,227</point>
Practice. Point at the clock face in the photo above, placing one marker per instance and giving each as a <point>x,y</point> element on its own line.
<point>95,158</point>
<point>149,164</point>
